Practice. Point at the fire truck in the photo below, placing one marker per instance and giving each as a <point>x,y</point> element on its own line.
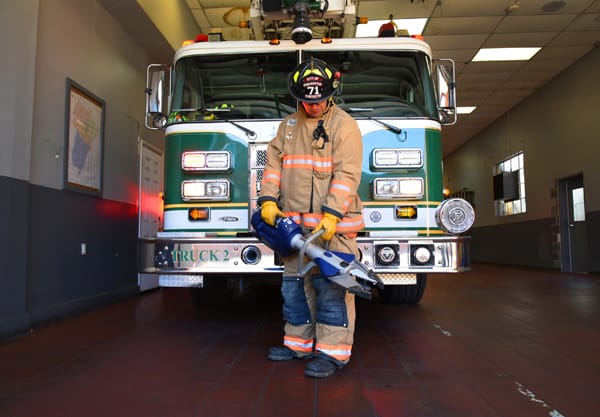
<point>220,102</point>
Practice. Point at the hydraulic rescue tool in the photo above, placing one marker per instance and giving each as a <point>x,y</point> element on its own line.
<point>339,267</point>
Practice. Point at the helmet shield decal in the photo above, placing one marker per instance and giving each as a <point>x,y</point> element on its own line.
<point>312,86</point>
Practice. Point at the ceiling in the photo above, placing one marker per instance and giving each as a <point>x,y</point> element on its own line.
<point>566,30</point>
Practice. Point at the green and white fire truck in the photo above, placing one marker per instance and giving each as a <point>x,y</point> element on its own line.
<point>220,102</point>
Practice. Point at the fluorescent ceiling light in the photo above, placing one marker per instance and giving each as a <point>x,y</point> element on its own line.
<point>465,109</point>
<point>505,54</point>
<point>413,26</point>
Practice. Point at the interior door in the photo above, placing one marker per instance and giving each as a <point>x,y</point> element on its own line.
<point>149,205</point>
<point>573,229</point>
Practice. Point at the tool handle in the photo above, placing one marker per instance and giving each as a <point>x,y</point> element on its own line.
<point>305,242</point>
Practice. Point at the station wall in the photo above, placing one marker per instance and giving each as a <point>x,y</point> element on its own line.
<point>42,225</point>
<point>556,130</point>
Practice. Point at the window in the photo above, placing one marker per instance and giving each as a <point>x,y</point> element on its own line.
<point>509,186</point>
<point>578,205</point>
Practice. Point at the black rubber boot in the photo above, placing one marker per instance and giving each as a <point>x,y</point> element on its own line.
<point>320,368</point>
<point>281,353</point>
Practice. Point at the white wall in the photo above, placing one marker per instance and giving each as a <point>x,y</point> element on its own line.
<point>175,22</point>
<point>557,129</point>
<point>80,40</point>
<point>18,31</point>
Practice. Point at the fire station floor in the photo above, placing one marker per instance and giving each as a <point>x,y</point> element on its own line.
<point>496,341</point>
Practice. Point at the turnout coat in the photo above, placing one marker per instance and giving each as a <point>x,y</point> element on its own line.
<point>310,173</point>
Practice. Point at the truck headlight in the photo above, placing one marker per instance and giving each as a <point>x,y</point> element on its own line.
<point>455,215</point>
<point>397,158</point>
<point>396,188</point>
<point>205,190</point>
<point>205,161</point>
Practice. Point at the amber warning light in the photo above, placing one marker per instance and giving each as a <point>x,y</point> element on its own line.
<point>406,212</point>
<point>201,213</point>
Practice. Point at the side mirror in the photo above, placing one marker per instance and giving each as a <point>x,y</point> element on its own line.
<point>446,90</point>
<point>157,93</point>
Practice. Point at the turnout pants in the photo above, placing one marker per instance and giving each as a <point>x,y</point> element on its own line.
<point>319,314</point>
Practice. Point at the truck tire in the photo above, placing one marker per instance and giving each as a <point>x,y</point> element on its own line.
<point>405,294</point>
<point>213,292</point>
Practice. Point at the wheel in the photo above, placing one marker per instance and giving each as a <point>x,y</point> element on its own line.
<point>405,294</point>
<point>213,292</point>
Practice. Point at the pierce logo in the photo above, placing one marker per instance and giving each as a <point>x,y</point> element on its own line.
<point>229,219</point>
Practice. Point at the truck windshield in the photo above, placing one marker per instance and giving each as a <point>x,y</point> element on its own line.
<point>233,86</point>
<point>383,84</point>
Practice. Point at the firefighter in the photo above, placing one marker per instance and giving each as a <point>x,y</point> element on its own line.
<point>312,174</point>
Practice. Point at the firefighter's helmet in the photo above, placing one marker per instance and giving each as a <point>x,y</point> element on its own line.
<point>313,81</point>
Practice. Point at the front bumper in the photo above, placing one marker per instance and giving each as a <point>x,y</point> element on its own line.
<point>182,261</point>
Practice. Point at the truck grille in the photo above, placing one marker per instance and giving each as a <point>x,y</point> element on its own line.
<point>258,160</point>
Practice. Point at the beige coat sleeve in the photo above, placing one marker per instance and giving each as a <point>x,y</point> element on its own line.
<point>347,165</point>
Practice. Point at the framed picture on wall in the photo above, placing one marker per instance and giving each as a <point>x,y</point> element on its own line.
<point>84,127</point>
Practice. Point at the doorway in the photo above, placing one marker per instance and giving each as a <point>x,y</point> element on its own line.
<point>572,224</point>
<point>151,166</point>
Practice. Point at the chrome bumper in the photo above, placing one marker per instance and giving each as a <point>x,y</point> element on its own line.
<point>183,262</point>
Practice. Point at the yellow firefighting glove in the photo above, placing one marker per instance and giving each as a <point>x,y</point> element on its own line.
<point>328,223</point>
<point>269,212</point>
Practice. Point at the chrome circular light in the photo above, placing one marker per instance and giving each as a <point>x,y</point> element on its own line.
<point>455,215</point>
<point>386,255</point>
<point>159,120</point>
<point>422,255</point>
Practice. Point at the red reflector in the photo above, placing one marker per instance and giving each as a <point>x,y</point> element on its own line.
<point>201,37</point>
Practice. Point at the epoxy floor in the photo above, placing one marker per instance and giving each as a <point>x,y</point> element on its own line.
<point>493,342</point>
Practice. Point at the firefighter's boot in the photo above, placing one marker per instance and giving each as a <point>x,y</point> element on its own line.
<point>281,353</point>
<point>320,368</point>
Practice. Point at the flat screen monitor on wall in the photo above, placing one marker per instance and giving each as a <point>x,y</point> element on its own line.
<point>506,186</point>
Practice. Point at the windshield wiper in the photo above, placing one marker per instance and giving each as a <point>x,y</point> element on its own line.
<point>394,129</point>
<point>250,133</point>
